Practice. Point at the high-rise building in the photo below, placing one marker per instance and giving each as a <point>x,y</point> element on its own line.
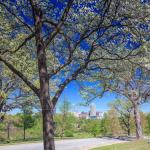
<point>92,111</point>
<point>91,114</point>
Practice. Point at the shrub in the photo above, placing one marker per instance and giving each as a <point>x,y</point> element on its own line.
<point>68,133</point>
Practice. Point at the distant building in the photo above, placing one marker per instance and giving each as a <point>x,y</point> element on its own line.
<point>99,115</point>
<point>92,114</point>
<point>84,115</point>
<point>92,111</point>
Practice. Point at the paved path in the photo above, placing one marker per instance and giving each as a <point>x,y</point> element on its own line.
<point>74,144</point>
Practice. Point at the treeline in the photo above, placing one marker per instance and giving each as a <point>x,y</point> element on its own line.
<point>28,127</point>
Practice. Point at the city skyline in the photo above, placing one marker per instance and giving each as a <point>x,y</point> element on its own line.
<point>92,113</point>
<point>74,97</point>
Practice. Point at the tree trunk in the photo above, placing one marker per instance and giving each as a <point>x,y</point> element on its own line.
<point>24,131</point>
<point>46,104</point>
<point>8,131</point>
<point>48,129</point>
<point>137,117</point>
<point>129,133</point>
<point>128,126</point>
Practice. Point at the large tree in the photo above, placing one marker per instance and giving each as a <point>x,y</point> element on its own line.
<point>63,39</point>
<point>132,84</point>
<point>135,87</point>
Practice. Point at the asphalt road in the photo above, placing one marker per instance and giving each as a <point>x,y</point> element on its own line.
<point>74,144</point>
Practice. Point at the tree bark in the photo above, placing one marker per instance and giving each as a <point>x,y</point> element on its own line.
<point>128,126</point>
<point>8,131</point>
<point>129,133</point>
<point>48,129</point>
<point>46,104</point>
<point>137,117</point>
<point>24,131</point>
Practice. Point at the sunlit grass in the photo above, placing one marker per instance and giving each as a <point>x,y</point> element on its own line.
<point>136,145</point>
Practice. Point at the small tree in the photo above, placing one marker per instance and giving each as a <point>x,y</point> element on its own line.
<point>124,109</point>
<point>8,124</point>
<point>148,124</point>
<point>103,125</point>
<point>113,124</point>
<point>65,107</point>
<point>65,128</point>
<point>65,121</point>
<point>27,119</point>
<point>93,127</point>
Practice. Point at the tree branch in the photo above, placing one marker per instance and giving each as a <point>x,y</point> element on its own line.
<point>60,23</point>
<point>18,73</point>
<point>21,45</point>
<point>13,14</point>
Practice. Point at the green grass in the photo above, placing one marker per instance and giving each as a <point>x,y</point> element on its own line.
<point>136,145</point>
<point>80,135</point>
<point>19,141</point>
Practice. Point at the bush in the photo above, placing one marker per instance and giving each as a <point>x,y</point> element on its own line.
<point>68,133</point>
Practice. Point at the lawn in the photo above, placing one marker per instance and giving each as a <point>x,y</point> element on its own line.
<point>136,145</point>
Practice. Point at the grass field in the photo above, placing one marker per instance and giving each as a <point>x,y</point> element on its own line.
<point>136,145</point>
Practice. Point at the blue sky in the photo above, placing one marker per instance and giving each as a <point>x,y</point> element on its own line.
<point>72,91</point>
<point>73,95</point>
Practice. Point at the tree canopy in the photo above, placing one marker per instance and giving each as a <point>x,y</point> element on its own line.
<point>51,43</point>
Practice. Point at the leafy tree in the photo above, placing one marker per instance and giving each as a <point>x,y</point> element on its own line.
<point>61,40</point>
<point>7,125</point>
<point>65,121</point>
<point>26,119</point>
<point>65,107</point>
<point>11,92</point>
<point>93,127</point>
<point>144,122</point>
<point>148,124</point>
<point>132,83</point>
<point>8,84</point>
<point>65,128</point>
<point>136,89</point>
<point>113,124</point>
<point>103,125</point>
<point>125,110</point>
<point>81,125</point>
